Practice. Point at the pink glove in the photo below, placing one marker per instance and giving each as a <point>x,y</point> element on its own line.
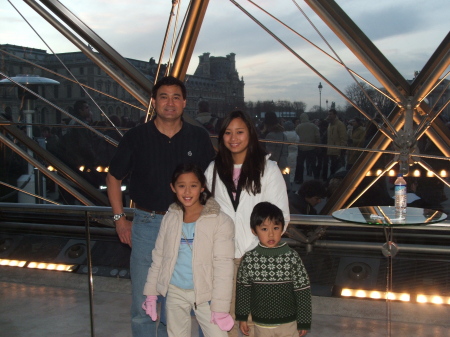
<point>150,306</point>
<point>223,320</point>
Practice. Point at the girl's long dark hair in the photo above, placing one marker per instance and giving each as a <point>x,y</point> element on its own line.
<point>254,162</point>
<point>191,168</point>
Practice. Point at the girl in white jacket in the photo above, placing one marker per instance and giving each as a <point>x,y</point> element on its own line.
<point>192,263</point>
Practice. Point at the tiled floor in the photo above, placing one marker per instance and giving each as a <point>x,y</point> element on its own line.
<point>39,303</point>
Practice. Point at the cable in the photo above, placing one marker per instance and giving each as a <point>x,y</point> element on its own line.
<point>380,128</point>
<point>68,70</point>
<point>391,127</point>
<point>323,51</point>
<point>101,135</point>
<point>71,80</point>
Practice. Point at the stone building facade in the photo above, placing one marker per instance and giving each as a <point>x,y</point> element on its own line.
<point>216,80</point>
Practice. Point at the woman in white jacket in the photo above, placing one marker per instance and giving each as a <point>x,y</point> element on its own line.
<point>242,176</point>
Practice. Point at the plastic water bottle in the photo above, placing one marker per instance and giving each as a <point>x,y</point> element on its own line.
<point>400,197</point>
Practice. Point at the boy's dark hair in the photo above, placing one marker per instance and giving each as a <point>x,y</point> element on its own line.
<point>169,80</point>
<point>312,188</point>
<point>191,168</point>
<point>265,211</point>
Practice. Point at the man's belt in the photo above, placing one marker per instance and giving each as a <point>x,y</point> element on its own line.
<point>150,211</point>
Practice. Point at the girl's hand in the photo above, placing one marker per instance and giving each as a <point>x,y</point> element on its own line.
<point>149,306</point>
<point>223,320</point>
<point>243,326</point>
<point>302,333</point>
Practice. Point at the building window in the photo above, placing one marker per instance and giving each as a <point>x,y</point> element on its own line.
<point>56,91</point>
<point>81,71</point>
<point>69,91</point>
<point>99,87</point>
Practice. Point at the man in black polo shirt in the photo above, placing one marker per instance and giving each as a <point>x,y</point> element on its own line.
<point>149,153</point>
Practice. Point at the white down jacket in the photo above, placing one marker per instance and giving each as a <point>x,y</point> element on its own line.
<point>273,190</point>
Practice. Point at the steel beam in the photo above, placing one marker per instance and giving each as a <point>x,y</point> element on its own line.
<point>423,84</point>
<point>95,41</point>
<point>432,70</point>
<point>189,38</point>
<point>62,169</point>
<point>358,171</point>
<point>362,47</point>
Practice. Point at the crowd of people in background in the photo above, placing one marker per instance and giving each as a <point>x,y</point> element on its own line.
<point>318,156</point>
<point>320,160</point>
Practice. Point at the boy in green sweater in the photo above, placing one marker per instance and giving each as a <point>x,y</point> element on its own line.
<point>272,284</point>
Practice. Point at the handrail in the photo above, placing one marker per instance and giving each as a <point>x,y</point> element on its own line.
<point>103,214</point>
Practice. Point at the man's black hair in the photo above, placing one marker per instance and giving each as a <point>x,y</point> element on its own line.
<point>312,188</point>
<point>78,105</point>
<point>169,80</point>
<point>265,211</point>
<point>203,106</point>
<point>333,111</point>
<point>270,118</point>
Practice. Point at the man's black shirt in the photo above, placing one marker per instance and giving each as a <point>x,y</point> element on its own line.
<point>150,158</point>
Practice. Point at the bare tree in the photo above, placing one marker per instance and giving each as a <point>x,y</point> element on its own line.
<point>358,96</point>
<point>299,107</point>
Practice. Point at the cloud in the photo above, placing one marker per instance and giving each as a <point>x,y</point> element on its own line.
<point>406,31</point>
<point>394,20</point>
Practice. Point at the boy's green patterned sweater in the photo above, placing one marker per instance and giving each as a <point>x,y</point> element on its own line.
<point>273,285</point>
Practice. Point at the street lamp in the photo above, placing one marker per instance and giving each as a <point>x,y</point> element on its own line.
<point>28,100</point>
<point>320,96</point>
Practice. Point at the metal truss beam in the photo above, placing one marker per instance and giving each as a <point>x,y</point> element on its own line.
<point>362,47</point>
<point>402,92</point>
<point>96,42</point>
<point>63,170</point>
<point>189,38</point>
<point>358,171</point>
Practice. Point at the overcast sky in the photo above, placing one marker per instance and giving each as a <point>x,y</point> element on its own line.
<point>406,31</point>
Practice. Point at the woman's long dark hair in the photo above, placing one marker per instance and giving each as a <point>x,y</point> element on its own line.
<point>191,168</point>
<point>254,162</point>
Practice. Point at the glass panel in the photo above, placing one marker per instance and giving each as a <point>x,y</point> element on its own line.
<point>337,256</point>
